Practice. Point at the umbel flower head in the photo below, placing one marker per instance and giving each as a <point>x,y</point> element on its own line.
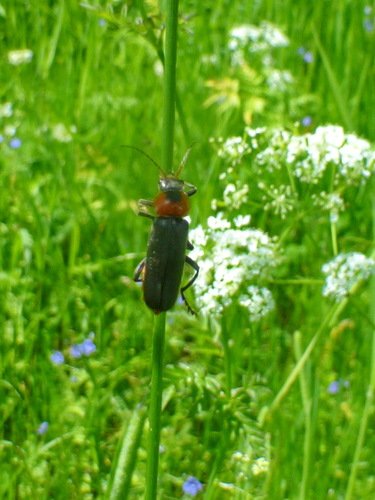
<point>344,272</point>
<point>231,256</point>
<point>309,155</point>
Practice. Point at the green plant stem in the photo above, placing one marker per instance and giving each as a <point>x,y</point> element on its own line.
<point>368,407</point>
<point>342,104</point>
<point>159,325</point>
<point>307,410</point>
<point>123,467</point>
<point>334,238</point>
<point>228,364</point>
<point>155,406</point>
<point>169,84</point>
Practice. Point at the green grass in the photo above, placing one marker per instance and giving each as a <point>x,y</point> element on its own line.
<point>70,240</point>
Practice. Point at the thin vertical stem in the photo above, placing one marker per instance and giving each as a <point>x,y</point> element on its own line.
<point>307,410</point>
<point>120,480</point>
<point>169,84</point>
<point>367,410</point>
<point>159,325</point>
<point>155,407</point>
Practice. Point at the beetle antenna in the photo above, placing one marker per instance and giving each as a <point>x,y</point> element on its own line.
<point>184,160</point>
<point>146,155</point>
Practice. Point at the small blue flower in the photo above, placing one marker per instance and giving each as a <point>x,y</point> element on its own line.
<point>192,486</point>
<point>15,143</point>
<point>88,347</point>
<point>85,348</point>
<point>43,428</point>
<point>57,358</point>
<point>75,351</point>
<point>333,387</point>
<point>367,10</point>
<point>102,23</point>
<point>368,25</point>
<point>308,57</point>
<point>306,121</point>
<point>336,386</point>
<point>1,138</point>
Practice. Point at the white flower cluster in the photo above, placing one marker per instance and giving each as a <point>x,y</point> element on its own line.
<point>272,157</point>
<point>332,202</point>
<point>345,271</point>
<point>235,195</point>
<point>256,38</point>
<point>309,155</point>
<point>279,80</point>
<point>20,56</point>
<point>229,259</point>
<point>233,149</point>
<point>258,301</point>
<point>278,199</point>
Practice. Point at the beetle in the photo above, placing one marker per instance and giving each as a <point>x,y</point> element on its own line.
<point>161,270</point>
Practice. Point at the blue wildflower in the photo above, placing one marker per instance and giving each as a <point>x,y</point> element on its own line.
<point>102,23</point>
<point>333,387</point>
<point>15,143</point>
<point>43,428</point>
<point>88,347</point>
<point>85,348</point>
<point>306,55</point>
<point>75,351</point>
<point>368,25</point>
<point>1,138</point>
<point>192,486</point>
<point>57,358</point>
<point>336,386</point>
<point>306,121</point>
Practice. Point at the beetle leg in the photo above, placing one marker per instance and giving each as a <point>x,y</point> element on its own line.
<point>147,203</point>
<point>189,245</point>
<point>195,266</point>
<point>143,208</point>
<point>139,271</point>
<point>191,189</point>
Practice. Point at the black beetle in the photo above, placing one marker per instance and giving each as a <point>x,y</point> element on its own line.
<point>162,268</point>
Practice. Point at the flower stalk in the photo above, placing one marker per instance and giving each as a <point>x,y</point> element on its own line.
<point>159,322</point>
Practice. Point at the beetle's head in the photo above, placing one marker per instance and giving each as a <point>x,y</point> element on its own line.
<point>170,183</point>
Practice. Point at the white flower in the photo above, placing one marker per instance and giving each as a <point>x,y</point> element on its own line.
<point>21,56</point>
<point>332,202</point>
<point>308,156</point>
<point>233,149</point>
<point>242,220</point>
<point>61,133</point>
<point>258,301</point>
<point>229,259</point>
<point>10,130</point>
<point>278,199</point>
<point>260,466</point>
<point>6,110</point>
<point>158,68</point>
<point>345,271</point>
<point>256,38</point>
<point>235,195</point>
<point>279,80</point>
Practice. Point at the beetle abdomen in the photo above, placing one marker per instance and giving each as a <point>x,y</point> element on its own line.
<point>165,262</point>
